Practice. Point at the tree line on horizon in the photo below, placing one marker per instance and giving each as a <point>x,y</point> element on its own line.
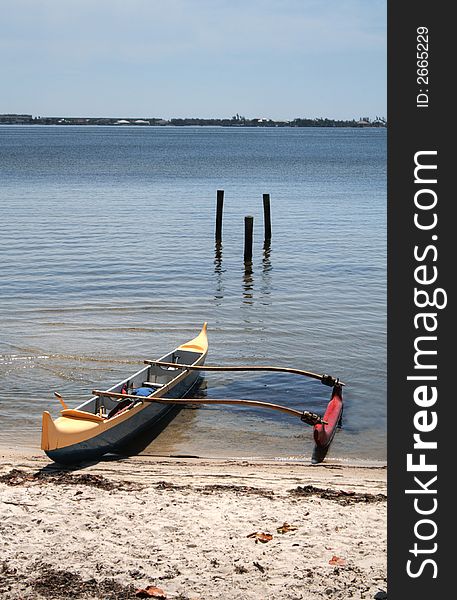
<point>235,121</point>
<point>238,121</point>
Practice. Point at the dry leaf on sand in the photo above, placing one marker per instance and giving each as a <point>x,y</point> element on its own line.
<point>260,537</point>
<point>151,592</point>
<point>336,560</point>
<point>285,527</point>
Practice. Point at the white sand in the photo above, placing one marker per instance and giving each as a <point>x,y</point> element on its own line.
<point>182,525</point>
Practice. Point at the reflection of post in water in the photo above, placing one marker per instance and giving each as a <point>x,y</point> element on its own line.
<point>248,280</point>
<point>248,283</point>
<point>218,257</point>
<point>266,269</point>
<point>266,261</point>
<point>218,271</point>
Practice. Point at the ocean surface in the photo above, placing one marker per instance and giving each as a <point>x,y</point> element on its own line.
<point>108,257</point>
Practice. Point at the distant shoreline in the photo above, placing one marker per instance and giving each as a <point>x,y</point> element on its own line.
<point>236,121</point>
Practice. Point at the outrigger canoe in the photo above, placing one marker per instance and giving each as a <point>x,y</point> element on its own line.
<point>113,418</point>
<point>104,424</point>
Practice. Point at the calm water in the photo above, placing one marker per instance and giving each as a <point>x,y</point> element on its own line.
<point>108,257</point>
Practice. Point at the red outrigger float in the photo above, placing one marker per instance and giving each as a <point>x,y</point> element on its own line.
<point>324,432</point>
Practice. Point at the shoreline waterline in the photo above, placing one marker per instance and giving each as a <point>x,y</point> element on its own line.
<point>12,452</point>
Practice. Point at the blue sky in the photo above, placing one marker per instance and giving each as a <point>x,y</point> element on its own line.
<point>279,59</point>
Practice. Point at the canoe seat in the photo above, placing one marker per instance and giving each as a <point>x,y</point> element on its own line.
<point>74,413</point>
<point>153,384</point>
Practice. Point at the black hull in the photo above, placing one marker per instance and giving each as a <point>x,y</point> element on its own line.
<point>117,440</point>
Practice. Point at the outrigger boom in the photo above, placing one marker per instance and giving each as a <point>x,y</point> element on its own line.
<point>325,379</point>
<point>324,427</point>
<point>307,417</point>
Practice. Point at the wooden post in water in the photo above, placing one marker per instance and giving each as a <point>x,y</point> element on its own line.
<point>219,208</point>
<point>248,229</point>
<point>267,218</point>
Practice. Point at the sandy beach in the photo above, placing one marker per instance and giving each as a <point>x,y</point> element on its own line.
<point>187,528</point>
